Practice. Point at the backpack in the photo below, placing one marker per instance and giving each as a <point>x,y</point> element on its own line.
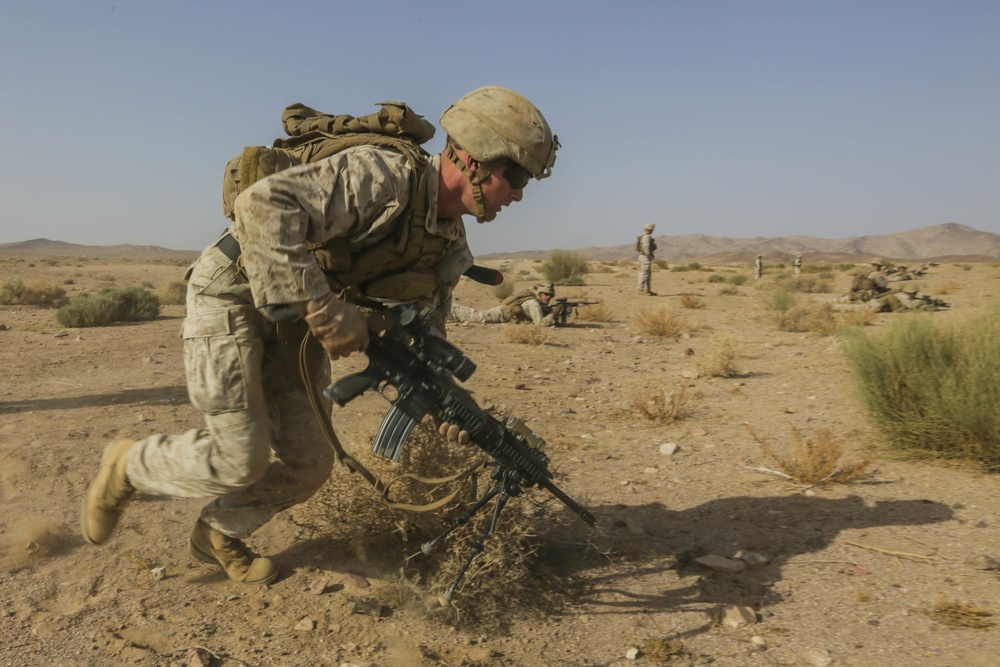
<point>638,243</point>
<point>315,135</point>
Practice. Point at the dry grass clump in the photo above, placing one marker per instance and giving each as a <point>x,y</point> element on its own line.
<point>598,312</point>
<point>949,287</point>
<point>173,293</point>
<point>526,334</point>
<point>858,317</point>
<point>662,323</point>
<point>960,615</point>
<point>662,404</point>
<point>16,293</point>
<point>730,290</point>
<point>810,317</point>
<point>814,462</point>
<point>503,290</point>
<point>721,361</point>
<point>691,301</point>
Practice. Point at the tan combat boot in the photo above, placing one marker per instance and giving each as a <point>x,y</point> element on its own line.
<point>108,494</point>
<point>211,546</point>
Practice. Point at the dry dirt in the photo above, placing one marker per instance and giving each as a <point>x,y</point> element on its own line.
<point>851,573</point>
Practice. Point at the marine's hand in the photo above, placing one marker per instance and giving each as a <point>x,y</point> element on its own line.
<point>338,326</point>
<point>454,434</point>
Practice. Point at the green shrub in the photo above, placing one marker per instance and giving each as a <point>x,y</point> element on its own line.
<point>737,279</point>
<point>129,304</point>
<point>661,264</point>
<point>716,278</point>
<point>932,389</point>
<point>16,293</point>
<point>780,299</point>
<point>564,268</point>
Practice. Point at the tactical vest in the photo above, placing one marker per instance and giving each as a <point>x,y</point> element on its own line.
<point>397,265</point>
<point>512,307</point>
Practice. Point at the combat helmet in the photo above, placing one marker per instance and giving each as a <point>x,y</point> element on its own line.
<point>543,288</point>
<point>494,124</point>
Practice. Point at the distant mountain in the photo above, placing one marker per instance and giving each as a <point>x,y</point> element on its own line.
<point>948,242</point>
<point>47,248</point>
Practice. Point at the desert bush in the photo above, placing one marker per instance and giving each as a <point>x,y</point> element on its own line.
<point>809,317</point>
<point>844,268</point>
<point>173,293</point>
<point>721,360</point>
<point>598,312</point>
<point>815,462</point>
<point>690,266</point>
<point>737,279</point>
<point>931,389</point>
<point>662,404</point>
<point>716,278</point>
<point>809,285</point>
<point>129,304</point>
<point>662,323</point>
<point>691,301</point>
<point>504,289</point>
<point>107,277</point>
<point>729,291</point>
<point>16,293</point>
<point>780,298</point>
<point>601,267</point>
<point>564,268</point>
<point>526,334</point>
<point>660,264</point>
<point>947,288</point>
<point>960,615</point>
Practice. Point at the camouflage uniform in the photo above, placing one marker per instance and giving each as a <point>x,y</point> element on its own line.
<point>521,307</point>
<point>647,250</point>
<point>242,369</point>
<point>797,264</point>
<point>758,267</point>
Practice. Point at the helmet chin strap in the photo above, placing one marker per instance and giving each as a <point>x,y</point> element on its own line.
<point>476,178</point>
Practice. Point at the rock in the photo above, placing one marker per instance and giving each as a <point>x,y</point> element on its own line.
<point>818,658</point>
<point>721,564</point>
<point>318,587</point>
<point>758,643</point>
<point>157,573</point>
<point>306,624</point>
<point>752,558</point>
<point>737,616</point>
<point>669,448</point>
<point>355,580</point>
<point>698,432</point>
<point>984,562</point>
<point>197,657</point>
<point>632,654</point>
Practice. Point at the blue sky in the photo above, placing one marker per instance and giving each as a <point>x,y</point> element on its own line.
<point>726,118</point>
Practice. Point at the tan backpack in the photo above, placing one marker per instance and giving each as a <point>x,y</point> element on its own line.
<point>315,135</point>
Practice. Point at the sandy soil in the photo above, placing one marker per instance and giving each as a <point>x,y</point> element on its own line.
<point>847,573</point>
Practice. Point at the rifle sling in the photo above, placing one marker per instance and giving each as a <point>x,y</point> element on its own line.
<point>353,465</point>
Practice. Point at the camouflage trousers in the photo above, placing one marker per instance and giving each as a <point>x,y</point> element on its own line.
<point>460,313</point>
<point>645,270</point>
<point>261,449</point>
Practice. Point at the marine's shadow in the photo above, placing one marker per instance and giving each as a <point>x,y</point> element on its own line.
<point>635,542</point>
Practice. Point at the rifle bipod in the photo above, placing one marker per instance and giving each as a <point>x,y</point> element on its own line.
<point>503,485</point>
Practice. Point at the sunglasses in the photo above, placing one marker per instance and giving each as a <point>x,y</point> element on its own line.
<point>516,176</point>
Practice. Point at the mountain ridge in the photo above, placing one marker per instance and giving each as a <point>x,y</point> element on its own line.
<point>950,241</point>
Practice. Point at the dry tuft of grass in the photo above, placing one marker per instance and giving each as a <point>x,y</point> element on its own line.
<point>691,301</point>
<point>811,317</point>
<point>721,361</point>
<point>505,581</point>
<point>663,405</point>
<point>598,312</point>
<point>961,615</point>
<point>173,293</point>
<point>526,334</point>
<point>949,287</point>
<point>662,323</point>
<point>16,293</point>
<point>814,462</point>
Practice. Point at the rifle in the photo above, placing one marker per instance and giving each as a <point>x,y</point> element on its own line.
<point>421,367</point>
<point>562,307</point>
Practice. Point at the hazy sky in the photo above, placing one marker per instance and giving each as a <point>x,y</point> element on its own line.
<point>734,118</point>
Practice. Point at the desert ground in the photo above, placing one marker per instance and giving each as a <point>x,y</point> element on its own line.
<point>841,575</point>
